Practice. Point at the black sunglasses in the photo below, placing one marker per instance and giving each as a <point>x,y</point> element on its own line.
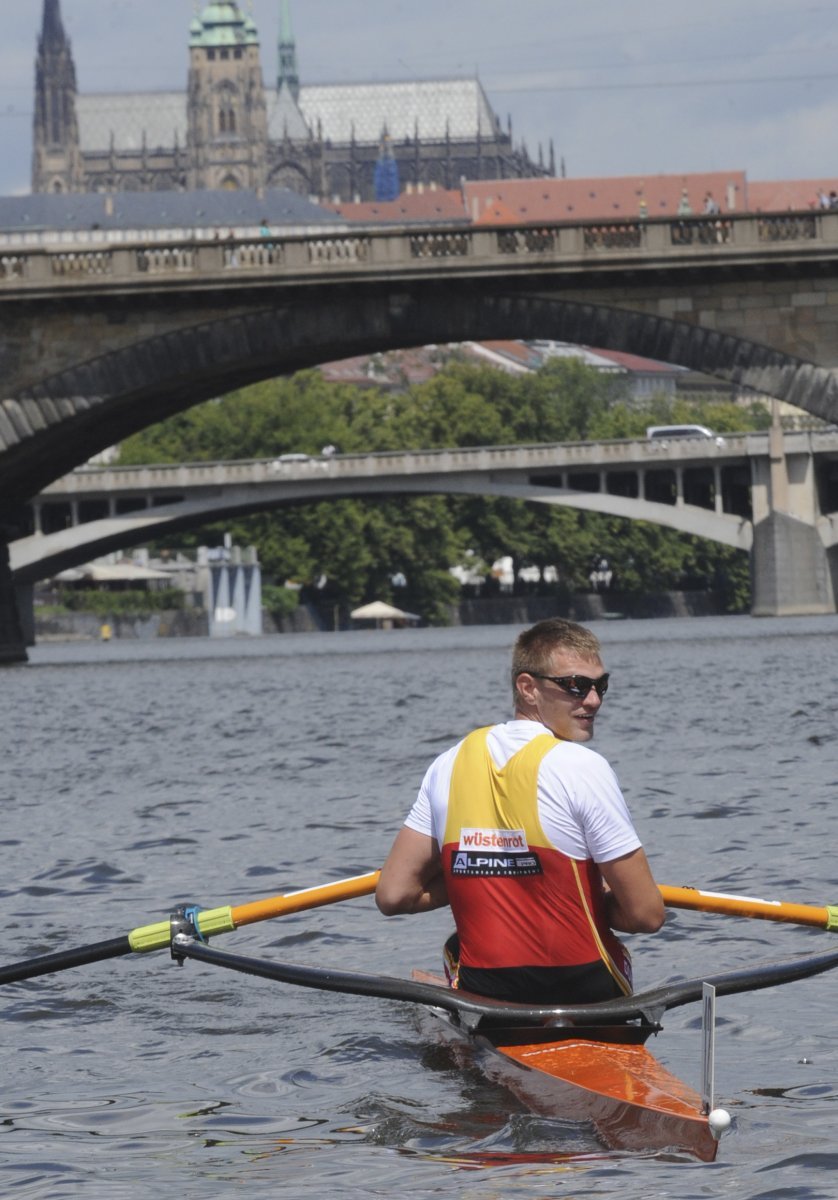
<point>577,685</point>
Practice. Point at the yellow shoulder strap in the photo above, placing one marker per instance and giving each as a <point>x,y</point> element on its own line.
<point>484,796</point>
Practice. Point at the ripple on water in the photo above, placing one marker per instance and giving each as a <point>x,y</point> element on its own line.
<point>189,773</point>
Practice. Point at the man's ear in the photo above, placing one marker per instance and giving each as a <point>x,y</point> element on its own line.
<point>525,686</point>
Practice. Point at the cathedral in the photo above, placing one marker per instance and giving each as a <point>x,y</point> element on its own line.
<point>229,130</point>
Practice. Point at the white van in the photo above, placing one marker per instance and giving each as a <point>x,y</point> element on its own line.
<point>657,433</point>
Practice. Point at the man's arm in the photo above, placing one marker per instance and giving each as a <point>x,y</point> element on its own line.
<point>634,904</point>
<point>411,878</point>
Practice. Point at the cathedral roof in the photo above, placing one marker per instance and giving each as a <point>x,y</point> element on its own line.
<point>126,116</point>
<point>434,107</point>
<point>457,108</point>
<point>284,116</point>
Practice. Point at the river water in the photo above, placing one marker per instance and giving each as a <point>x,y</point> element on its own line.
<point>140,775</point>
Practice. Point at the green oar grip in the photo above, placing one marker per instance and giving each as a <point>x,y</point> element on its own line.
<point>832,917</point>
<point>158,936</point>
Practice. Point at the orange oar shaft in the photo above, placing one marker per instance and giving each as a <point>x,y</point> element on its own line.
<point>673,897</point>
<point>747,906</point>
<point>313,897</point>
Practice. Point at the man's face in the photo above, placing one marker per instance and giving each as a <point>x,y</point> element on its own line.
<point>569,716</point>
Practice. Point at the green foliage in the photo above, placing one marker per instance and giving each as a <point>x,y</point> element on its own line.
<point>349,551</point>
<point>279,601</point>
<point>123,604</point>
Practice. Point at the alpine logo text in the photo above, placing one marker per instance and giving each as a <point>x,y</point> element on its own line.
<point>470,862</point>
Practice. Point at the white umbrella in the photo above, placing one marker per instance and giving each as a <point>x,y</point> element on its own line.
<point>379,611</point>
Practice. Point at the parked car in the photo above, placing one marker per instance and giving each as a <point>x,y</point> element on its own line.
<point>290,458</point>
<point>658,433</point>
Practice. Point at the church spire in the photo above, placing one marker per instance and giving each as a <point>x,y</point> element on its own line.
<point>287,51</point>
<point>55,150</point>
<point>53,36</point>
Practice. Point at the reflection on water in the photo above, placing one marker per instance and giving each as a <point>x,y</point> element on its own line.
<point>138,776</point>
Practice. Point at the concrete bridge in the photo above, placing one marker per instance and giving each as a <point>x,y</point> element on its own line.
<point>99,339</point>
<point>725,490</point>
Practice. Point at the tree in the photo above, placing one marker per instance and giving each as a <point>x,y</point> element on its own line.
<point>350,550</point>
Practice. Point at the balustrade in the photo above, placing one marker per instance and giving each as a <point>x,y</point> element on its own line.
<point>440,245</point>
<point>77,263</point>
<point>701,231</point>
<point>787,228</point>
<point>526,241</point>
<point>623,235</point>
<point>381,249</point>
<point>158,259</point>
<point>247,255</point>
<point>339,249</point>
<point>12,266</point>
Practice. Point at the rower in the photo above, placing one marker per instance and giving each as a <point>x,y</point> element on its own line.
<point>524,831</point>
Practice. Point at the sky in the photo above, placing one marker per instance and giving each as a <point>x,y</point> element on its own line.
<point>656,88</point>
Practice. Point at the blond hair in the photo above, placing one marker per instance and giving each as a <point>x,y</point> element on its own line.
<point>535,646</point>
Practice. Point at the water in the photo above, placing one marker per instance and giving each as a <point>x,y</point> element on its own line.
<point>139,775</point>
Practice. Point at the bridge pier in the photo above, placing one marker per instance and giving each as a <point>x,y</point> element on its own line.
<point>12,643</point>
<point>790,568</point>
<point>790,574</point>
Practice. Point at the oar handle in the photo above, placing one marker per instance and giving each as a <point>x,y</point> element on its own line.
<point>210,921</point>
<point>748,906</point>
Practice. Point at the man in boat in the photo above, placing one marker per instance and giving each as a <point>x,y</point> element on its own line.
<point>524,831</point>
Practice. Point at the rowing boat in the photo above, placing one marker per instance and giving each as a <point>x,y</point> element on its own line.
<point>586,1061</point>
<point>603,1075</point>
<point>567,1058</point>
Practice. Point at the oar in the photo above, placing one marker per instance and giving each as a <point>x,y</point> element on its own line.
<point>207,921</point>
<point>224,920</point>
<point>747,906</point>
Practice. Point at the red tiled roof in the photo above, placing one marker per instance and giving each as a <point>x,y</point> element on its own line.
<point>517,201</point>
<point>786,195</point>
<point>497,213</point>
<point>597,199</point>
<point>431,204</point>
<point>633,362</point>
<point>396,368</point>
<point>519,352</point>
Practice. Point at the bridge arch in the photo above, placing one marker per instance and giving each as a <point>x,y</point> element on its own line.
<point>65,419</point>
<point>41,555</point>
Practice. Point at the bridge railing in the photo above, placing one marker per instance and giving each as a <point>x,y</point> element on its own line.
<point>373,249</point>
<point>604,454</point>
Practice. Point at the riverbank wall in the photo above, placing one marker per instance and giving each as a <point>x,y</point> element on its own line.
<point>497,610</point>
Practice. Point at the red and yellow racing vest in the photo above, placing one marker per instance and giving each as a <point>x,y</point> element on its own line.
<point>517,900</point>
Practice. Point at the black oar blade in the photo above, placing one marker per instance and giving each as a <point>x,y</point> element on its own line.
<point>63,960</point>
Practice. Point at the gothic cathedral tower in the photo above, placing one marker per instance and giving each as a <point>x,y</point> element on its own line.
<point>56,161</point>
<point>227,117</point>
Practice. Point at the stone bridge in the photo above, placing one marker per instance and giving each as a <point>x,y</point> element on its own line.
<point>99,339</point>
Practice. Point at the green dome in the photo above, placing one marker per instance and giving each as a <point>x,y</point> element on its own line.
<point>222,24</point>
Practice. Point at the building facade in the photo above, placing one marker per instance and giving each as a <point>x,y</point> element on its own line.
<point>229,130</point>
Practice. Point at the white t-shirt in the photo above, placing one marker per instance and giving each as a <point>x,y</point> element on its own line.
<point>580,805</point>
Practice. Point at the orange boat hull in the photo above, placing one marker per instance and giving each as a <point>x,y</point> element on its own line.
<point>633,1102</point>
